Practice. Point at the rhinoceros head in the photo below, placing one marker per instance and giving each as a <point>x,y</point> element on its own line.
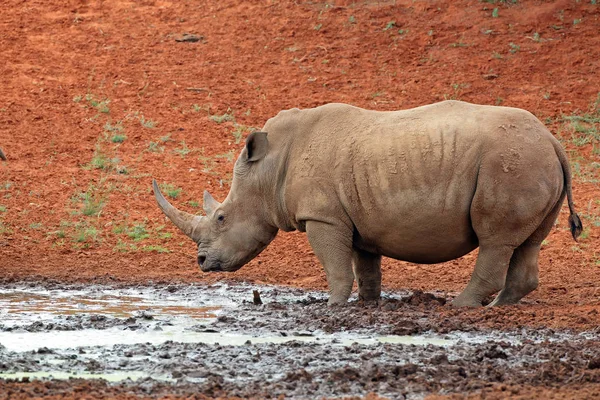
<point>233,232</point>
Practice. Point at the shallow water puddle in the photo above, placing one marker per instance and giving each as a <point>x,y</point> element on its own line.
<point>20,341</point>
<point>18,306</point>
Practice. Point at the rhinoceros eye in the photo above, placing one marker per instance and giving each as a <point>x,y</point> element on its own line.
<point>221,218</point>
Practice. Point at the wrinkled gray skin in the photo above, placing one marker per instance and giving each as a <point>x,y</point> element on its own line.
<point>424,185</point>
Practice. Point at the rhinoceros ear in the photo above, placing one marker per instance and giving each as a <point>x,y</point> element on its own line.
<point>257,145</point>
<point>210,204</point>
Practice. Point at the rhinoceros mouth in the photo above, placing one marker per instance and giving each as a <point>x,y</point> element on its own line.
<point>210,266</point>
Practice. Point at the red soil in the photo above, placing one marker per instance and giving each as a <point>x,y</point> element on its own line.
<point>59,59</point>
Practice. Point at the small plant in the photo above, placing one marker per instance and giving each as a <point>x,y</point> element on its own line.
<point>123,247</point>
<point>4,229</point>
<point>99,160</point>
<point>352,19</point>
<point>147,123</point>
<point>576,249</point>
<point>154,147</point>
<point>219,119</point>
<point>61,234</point>
<point>100,105</point>
<point>238,132</point>
<point>457,91</point>
<point>586,127</point>
<point>514,48</point>
<point>93,202</point>
<point>184,150</point>
<point>156,248</point>
<point>208,163</point>
<point>194,203</point>
<point>118,127</point>
<point>164,235</point>
<point>317,27</point>
<point>118,138</point>
<point>495,13</point>
<point>229,156</point>
<point>389,25</point>
<point>85,234</point>
<point>138,232</point>
<point>171,190</point>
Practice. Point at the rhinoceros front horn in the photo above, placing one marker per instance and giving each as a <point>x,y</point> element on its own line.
<point>188,223</point>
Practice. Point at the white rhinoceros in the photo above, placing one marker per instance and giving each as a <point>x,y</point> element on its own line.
<point>424,185</point>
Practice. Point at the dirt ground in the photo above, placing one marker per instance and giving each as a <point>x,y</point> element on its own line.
<point>99,97</point>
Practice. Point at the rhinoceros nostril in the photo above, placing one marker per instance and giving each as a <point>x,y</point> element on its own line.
<point>201,259</point>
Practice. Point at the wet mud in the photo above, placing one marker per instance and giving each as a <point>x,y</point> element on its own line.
<point>292,346</point>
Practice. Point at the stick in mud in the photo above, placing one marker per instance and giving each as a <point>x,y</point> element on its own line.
<point>257,301</point>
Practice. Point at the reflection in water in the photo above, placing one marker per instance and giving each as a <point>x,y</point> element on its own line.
<point>109,376</point>
<point>18,304</point>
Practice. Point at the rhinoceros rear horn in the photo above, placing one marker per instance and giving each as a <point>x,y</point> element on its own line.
<point>188,223</point>
<point>210,204</point>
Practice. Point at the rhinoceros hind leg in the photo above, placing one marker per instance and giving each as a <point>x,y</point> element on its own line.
<point>488,277</point>
<point>332,245</point>
<point>367,271</point>
<point>522,277</point>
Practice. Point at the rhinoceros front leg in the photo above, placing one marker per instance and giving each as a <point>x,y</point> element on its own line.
<point>332,245</point>
<point>367,271</point>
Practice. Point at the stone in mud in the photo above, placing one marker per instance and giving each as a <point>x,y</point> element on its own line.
<point>594,363</point>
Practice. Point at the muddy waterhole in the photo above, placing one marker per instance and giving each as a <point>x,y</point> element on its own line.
<point>215,338</point>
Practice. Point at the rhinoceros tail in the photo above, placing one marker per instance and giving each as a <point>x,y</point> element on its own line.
<point>576,225</point>
<point>574,221</point>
